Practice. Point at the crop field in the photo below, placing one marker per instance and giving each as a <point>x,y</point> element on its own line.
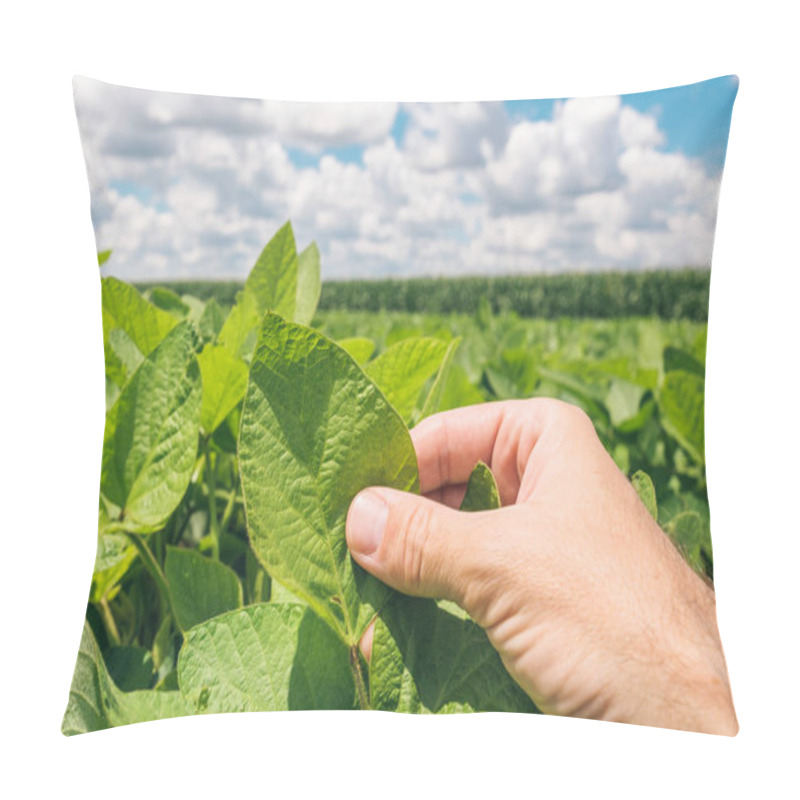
<point>240,427</point>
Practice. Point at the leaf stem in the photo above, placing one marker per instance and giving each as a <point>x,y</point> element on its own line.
<point>108,620</point>
<point>358,676</point>
<point>211,479</point>
<point>150,563</point>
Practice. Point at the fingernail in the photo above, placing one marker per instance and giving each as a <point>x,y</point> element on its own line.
<point>366,522</point>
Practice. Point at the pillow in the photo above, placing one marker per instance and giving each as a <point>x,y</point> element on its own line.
<point>287,290</point>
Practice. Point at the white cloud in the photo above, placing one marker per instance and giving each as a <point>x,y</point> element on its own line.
<point>468,189</point>
<point>448,135</point>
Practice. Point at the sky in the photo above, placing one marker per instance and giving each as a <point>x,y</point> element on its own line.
<point>192,186</point>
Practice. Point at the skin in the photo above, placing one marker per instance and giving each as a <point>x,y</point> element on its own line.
<point>592,609</point>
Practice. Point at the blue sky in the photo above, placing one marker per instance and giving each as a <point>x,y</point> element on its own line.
<point>192,186</point>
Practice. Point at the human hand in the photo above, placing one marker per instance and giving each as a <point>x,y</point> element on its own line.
<point>592,609</point>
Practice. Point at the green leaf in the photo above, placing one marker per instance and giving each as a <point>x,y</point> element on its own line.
<point>273,280</point>
<point>482,493</point>
<point>691,534</point>
<point>130,667</point>
<point>168,301</point>
<point>433,402</point>
<point>622,401</point>
<point>224,378</point>
<point>458,391</point>
<point>359,347</point>
<point>643,484</point>
<point>114,555</point>
<point>151,434</point>
<point>309,285</point>
<point>428,660</point>
<point>675,359</point>
<point>199,587</point>
<point>102,257</point>
<point>211,321</point>
<point>513,373</point>
<point>265,657</point>
<point>681,401</point>
<point>402,370</point>
<point>124,307</point>
<point>95,703</point>
<point>314,432</point>
<point>240,329</point>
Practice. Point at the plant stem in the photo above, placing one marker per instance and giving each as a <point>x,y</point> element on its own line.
<point>150,563</point>
<point>211,478</point>
<point>108,621</point>
<point>228,511</point>
<point>358,676</point>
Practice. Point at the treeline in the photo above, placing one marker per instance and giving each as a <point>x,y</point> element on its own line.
<point>668,294</point>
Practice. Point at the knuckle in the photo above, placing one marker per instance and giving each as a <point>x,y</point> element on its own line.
<point>412,545</point>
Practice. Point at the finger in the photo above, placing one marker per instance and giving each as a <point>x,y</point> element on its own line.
<point>413,544</point>
<point>452,495</point>
<point>502,434</point>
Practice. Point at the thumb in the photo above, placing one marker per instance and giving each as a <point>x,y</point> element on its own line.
<point>416,545</point>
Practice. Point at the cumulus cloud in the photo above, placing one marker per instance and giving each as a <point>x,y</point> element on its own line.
<point>193,186</point>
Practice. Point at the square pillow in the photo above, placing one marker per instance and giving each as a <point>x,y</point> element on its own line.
<point>287,290</point>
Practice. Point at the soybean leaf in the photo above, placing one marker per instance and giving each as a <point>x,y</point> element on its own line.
<point>513,374</point>
<point>130,667</point>
<point>124,307</point>
<point>240,329</point>
<point>309,285</point>
<point>622,401</point>
<point>643,484</point>
<point>265,657</point>
<point>272,282</point>
<point>675,359</point>
<point>211,321</point>
<point>482,493</point>
<point>314,432</point>
<point>95,703</point>
<point>458,390</point>
<point>428,660</point>
<point>433,401</point>
<point>102,257</point>
<point>681,402</point>
<point>168,301</point>
<point>691,534</point>
<point>114,555</point>
<point>151,434</point>
<point>199,587</point>
<point>224,378</point>
<point>359,347</point>
<point>402,370</point>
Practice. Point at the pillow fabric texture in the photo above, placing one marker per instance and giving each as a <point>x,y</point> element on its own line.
<point>288,289</point>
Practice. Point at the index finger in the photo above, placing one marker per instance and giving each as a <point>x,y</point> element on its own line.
<point>451,443</point>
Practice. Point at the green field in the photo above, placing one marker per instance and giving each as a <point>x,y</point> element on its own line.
<point>239,427</point>
<point>667,294</point>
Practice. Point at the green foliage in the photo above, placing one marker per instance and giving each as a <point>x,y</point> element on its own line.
<point>427,659</point>
<point>96,703</point>
<point>482,493</point>
<point>309,285</point>
<point>311,409</point>
<point>200,588</point>
<point>403,369</point>
<point>643,484</point>
<point>236,438</point>
<point>265,658</point>
<point>669,294</point>
<point>224,378</point>
<point>151,435</point>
